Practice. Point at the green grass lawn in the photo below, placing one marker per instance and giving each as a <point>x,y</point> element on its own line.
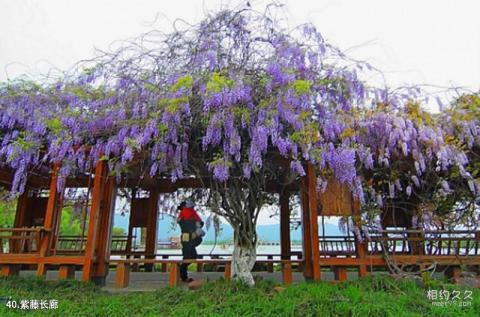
<point>372,296</point>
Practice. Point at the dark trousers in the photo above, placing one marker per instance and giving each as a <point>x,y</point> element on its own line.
<point>188,252</point>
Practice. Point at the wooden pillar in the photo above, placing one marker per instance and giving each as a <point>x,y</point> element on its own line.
<point>56,224</point>
<point>285,243</point>
<point>313,210</point>
<point>287,273</point>
<point>21,212</point>
<point>270,263</point>
<point>306,240</point>
<point>360,246</point>
<point>163,266</point>
<point>453,273</point>
<point>340,273</point>
<point>477,243</point>
<point>151,239</point>
<point>200,265</point>
<point>104,231</point>
<point>227,274</point>
<point>98,190</point>
<point>123,275</point>
<point>7,270</point>
<point>174,275</point>
<point>53,206</point>
<point>20,220</point>
<point>416,241</point>
<point>66,272</point>
<point>130,227</point>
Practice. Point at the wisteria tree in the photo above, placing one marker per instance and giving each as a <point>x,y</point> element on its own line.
<point>238,100</point>
<point>420,167</point>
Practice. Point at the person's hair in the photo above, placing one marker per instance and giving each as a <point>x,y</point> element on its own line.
<point>182,204</point>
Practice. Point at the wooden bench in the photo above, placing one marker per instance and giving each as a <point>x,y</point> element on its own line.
<point>124,265</point>
<point>267,265</point>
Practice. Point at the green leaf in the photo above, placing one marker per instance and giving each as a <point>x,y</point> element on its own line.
<point>302,87</point>
<point>217,82</point>
<point>183,82</point>
<point>55,125</point>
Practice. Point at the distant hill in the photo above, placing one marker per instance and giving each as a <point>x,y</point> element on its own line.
<point>270,233</point>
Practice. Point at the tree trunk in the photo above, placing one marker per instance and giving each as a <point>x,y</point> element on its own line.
<point>243,258</point>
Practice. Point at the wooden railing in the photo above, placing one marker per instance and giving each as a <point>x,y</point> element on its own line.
<point>435,243</point>
<point>407,242</point>
<point>119,244</point>
<point>68,244</point>
<point>336,245</point>
<point>20,240</point>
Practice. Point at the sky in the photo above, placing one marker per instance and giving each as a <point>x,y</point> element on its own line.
<point>428,42</point>
<point>434,42</point>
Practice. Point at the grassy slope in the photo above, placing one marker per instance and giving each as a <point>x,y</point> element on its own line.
<point>373,296</point>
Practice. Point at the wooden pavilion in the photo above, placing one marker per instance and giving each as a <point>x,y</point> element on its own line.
<point>34,243</point>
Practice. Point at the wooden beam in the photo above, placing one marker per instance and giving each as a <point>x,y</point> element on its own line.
<point>151,239</point>
<point>439,260</point>
<point>165,185</point>
<point>7,258</point>
<point>52,209</point>
<point>62,259</point>
<point>313,209</point>
<point>98,190</point>
<point>35,180</point>
<point>285,243</point>
<point>35,259</point>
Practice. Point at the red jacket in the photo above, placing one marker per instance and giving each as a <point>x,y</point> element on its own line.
<point>189,213</point>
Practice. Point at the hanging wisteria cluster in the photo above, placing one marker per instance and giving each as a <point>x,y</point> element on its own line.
<point>219,96</point>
